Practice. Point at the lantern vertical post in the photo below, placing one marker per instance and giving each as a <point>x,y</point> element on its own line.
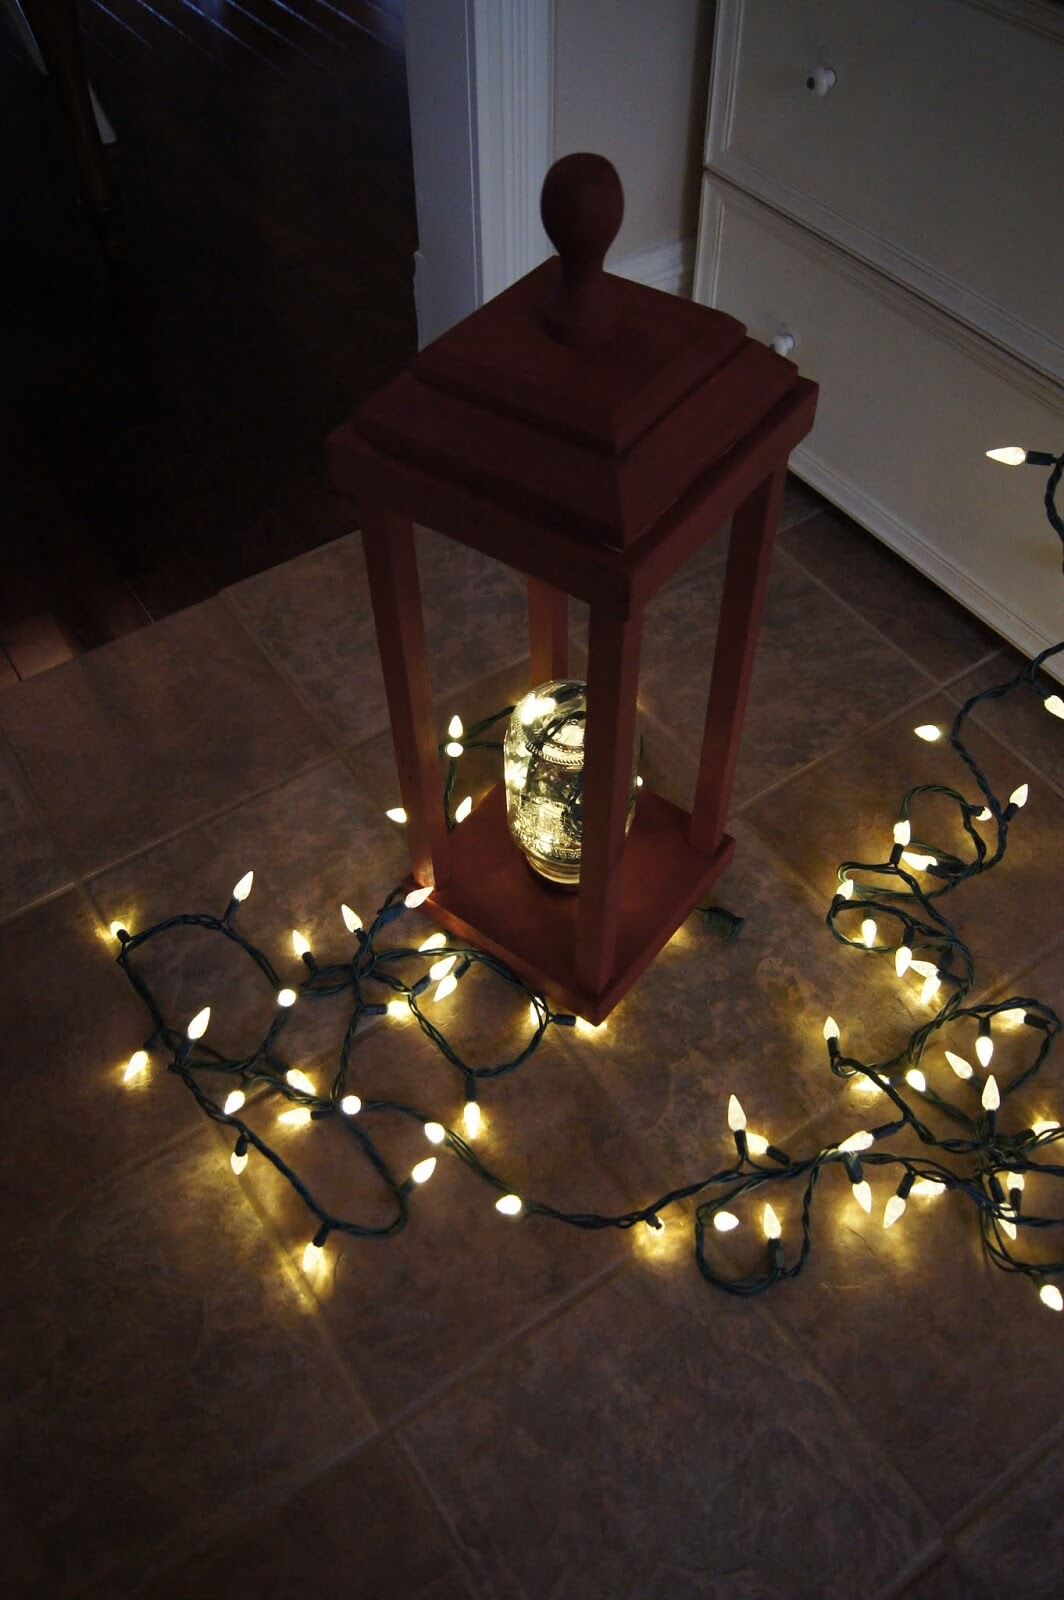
<point>612,685</point>
<point>548,631</point>
<point>391,564</point>
<point>753,534</point>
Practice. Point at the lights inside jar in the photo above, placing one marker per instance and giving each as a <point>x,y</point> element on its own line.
<point>543,756</point>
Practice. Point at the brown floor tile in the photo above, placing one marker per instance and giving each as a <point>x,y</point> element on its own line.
<point>365,1528</point>
<point>155,731</point>
<point>413,1310</point>
<point>314,616</point>
<point>945,1359</point>
<point>948,1579</point>
<point>799,502</point>
<point>314,843</point>
<point>845,809</point>
<point>913,613</point>
<point>70,1022</point>
<point>29,865</point>
<point>802,702</point>
<point>1019,1543</point>
<point>169,1373</point>
<point>1019,719</point>
<point>659,1440</point>
<point>711,1018</point>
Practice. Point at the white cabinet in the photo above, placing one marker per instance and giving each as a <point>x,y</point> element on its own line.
<point>881,187</point>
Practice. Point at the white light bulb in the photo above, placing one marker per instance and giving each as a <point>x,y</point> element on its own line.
<point>756,1143</point>
<point>351,1105</point>
<point>416,897</point>
<point>1007,1226</point>
<point>1016,1180</point>
<point>300,943</point>
<point>435,1132</point>
<point>116,928</point>
<point>509,1205</point>
<point>242,888</point>
<point>932,984</point>
<point>991,1094</point>
<point>463,808</point>
<point>831,1028</point>
<point>984,1049</point>
<point>861,1140</point>
<point>295,1117</point>
<point>1054,705</point>
<point>352,920</point>
<point>312,1257</point>
<point>397,1009</point>
<point>238,1162</point>
<point>435,941</point>
<point>1042,1125</point>
<point>928,1187</point>
<point>916,1080</point>
<point>902,960</point>
<point>962,1068</point>
<point>440,969</point>
<point>725,1221</point>
<point>894,1208</point>
<point>583,1026</point>
<point>396,814</point>
<point>845,889</point>
<point>445,987</point>
<point>135,1065</point>
<point>638,781</point>
<point>862,1193</point>
<point>233,1102</point>
<point>1014,1016</point>
<point>919,863</point>
<point>472,1119</point>
<point>770,1222</point>
<point>903,832</point>
<point>868,931</point>
<point>455,729</point>
<point>736,1115</point>
<point>926,969</point>
<point>1009,455</point>
<point>424,1170</point>
<point>454,749</point>
<point>1051,1296</point>
<point>286,997</point>
<point>198,1026</point>
<point>1018,797</point>
<point>928,731</point>
<point>299,1080</point>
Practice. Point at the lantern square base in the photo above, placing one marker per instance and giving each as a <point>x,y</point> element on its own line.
<point>491,898</point>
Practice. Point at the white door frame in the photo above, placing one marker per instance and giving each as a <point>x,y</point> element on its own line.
<point>480,77</point>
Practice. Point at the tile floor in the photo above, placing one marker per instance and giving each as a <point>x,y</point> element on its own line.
<point>480,1409</point>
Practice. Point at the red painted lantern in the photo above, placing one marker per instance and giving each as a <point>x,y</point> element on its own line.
<point>591,433</point>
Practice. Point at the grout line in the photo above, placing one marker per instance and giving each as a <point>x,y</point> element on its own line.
<point>1020,755</point>
<point>919,1567</point>
<point>1002,1485</point>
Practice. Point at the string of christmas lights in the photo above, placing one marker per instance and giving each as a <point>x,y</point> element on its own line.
<point>883,909</point>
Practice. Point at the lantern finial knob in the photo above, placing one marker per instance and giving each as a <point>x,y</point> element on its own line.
<point>582,205</point>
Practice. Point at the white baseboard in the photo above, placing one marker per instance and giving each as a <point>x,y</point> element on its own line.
<point>912,547</point>
<point>663,266</point>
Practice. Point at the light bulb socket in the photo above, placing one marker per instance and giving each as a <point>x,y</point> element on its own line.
<point>833,1049</point>
<point>308,961</point>
<point>895,854</point>
<point>230,911</point>
<point>462,968</point>
<point>775,1254</point>
<point>1040,458</point>
<point>374,1010</point>
<point>241,1147</point>
<point>984,1027</point>
<point>421,985</point>
<point>854,1170</point>
<point>905,1185</point>
<point>321,1235</point>
<point>471,1091</point>
<point>995,1188</point>
<point>741,1145</point>
<point>563,1019</point>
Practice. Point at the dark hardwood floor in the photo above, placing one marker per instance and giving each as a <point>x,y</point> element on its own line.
<point>162,419</point>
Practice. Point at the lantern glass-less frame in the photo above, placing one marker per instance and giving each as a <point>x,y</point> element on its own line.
<point>591,433</point>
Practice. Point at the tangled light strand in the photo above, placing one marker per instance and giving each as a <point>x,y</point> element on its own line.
<point>998,1161</point>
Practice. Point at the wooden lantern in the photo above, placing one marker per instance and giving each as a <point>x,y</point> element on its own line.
<point>591,433</point>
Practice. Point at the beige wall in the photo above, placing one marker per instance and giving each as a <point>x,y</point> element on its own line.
<point>630,82</point>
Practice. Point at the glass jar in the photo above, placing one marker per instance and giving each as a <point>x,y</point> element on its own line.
<point>543,756</point>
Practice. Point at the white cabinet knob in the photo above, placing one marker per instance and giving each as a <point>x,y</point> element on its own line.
<point>821,79</point>
<point>783,343</point>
